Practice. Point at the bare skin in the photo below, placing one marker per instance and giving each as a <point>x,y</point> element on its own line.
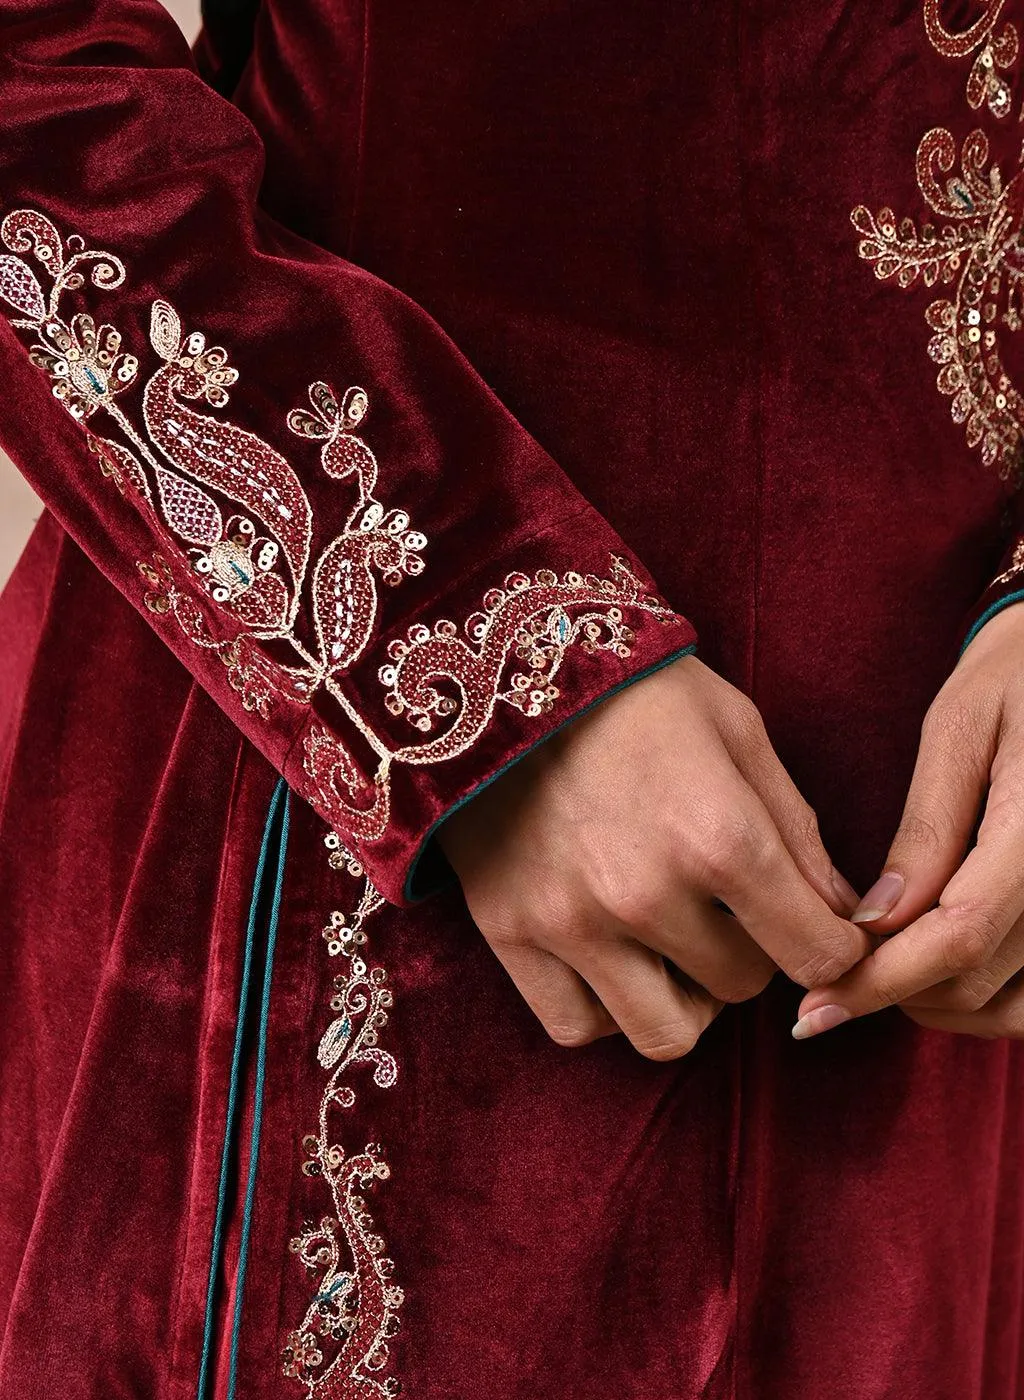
<point>955,958</point>
<point>593,867</point>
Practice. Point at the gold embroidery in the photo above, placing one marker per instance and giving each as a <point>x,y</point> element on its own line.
<point>235,529</point>
<point>354,1312</point>
<point>977,250</point>
<point>439,679</point>
<point>985,84</point>
<point>1015,566</point>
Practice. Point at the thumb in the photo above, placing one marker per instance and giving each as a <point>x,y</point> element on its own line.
<point>949,782</point>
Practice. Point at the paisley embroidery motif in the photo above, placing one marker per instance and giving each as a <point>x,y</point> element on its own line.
<point>339,1351</point>
<point>994,52</point>
<point>976,250</point>
<point>235,530</point>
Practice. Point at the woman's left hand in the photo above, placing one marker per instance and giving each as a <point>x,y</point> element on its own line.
<point>955,965</point>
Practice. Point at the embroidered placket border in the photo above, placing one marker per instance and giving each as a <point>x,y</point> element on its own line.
<point>261,1077</point>
<point>276,825</point>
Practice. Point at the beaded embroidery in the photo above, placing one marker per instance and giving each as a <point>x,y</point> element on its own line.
<point>235,533</point>
<point>976,250</point>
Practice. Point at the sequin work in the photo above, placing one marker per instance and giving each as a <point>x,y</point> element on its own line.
<point>975,250</point>
<point>235,567</point>
<point>340,1350</point>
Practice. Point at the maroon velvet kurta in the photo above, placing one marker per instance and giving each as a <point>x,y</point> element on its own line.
<point>295,536</point>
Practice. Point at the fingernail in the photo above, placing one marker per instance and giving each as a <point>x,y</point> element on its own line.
<point>845,892</point>
<point>824,1018</point>
<point>880,898</point>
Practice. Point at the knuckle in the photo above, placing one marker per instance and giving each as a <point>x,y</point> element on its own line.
<point>551,920</point>
<point>920,831</point>
<point>500,925</point>
<point>745,717</point>
<point>572,933</point>
<point>970,940</point>
<point>572,1034</point>
<point>824,964</point>
<point>947,719</point>
<point>557,917</point>
<point>741,986</point>
<point>807,828</point>
<point>938,718</point>
<point>735,845</point>
<point>631,902</point>
<point>959,721</point>
<point>886,992</point>
<point>1004,815</point>
<point>666,1042</point>
<point>971,992</point>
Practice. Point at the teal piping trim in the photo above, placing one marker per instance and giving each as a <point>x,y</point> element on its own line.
<point>990,611</point>
<point>261,1078</point>
<point>413,895</point>
<point>231,1115</point>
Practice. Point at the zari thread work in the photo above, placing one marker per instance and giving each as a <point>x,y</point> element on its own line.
<point>976,250</point>
<point>235,567</point>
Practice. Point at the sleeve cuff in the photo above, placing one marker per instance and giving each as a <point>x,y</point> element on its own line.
<point>455,706</point>
<point>1004,589</point>
<point>429,871</point>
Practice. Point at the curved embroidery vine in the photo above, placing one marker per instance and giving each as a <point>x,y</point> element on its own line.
<point>977,250</point>
<point>235,565</point>
<point>231,508</point>
<point>354,1312</point>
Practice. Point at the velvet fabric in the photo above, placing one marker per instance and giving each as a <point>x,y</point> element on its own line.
<point>634,223</point>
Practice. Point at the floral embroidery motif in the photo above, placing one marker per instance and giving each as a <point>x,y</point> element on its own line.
<point>995,51</point>
<point>235,533</point>
<point>234,530</point>
<point>442,681</point>
<point>977,250</point>
<point>355,1309</point>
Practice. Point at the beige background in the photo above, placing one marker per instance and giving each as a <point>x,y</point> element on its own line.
<point>19,508</point>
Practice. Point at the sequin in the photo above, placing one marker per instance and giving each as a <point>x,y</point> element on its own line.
<point>340,1348</point>
<point>975,250</point>
<point>234,566</point>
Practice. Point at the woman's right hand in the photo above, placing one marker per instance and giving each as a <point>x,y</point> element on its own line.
<point>593,865</point>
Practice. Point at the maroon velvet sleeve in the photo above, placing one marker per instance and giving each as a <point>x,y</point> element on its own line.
<point>1004,588</point>
<point>283,462</point>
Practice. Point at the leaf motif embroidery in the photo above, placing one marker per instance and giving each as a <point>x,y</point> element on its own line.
<point>193,515</point>
<point>218,454</point>
<point>20,287</point>
<point>340,1349</point>
<point>977,252</point>
<point>231,588</point>
<point>235,522</point>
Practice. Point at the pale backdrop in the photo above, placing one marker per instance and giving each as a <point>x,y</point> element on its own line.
<point>19,508</point>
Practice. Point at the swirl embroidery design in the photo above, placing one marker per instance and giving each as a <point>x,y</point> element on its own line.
<point>234,529</point>
<point>235,564</point>
<point>976,250</point>
<point>355,1308</point>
